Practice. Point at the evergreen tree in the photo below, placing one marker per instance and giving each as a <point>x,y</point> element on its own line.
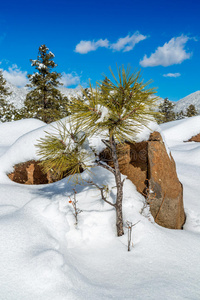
<point>167,111</point>
<point>191,111</point>
<point>119,108</point>
<point>180,115</point>
<point>45,101</point>
<point>6,109</point>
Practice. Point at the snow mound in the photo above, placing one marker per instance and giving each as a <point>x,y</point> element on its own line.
<point>181,130</point>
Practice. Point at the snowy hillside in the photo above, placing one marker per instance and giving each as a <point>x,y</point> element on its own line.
<point>70,92</point>
<point>19,94</point>
<point>44,256</point>
<point>183,103</point>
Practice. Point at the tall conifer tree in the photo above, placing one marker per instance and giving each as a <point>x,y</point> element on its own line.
<point>45,101</point>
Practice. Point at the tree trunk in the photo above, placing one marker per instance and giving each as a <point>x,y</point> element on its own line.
<point>119,184</point>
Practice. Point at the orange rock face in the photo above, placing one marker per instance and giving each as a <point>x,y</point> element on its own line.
<point>166,202</point>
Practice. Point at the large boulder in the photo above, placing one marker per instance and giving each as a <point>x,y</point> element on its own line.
<point>151,168</point>
<point>166,197</point>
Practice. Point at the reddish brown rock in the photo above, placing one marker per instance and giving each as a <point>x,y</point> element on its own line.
<point>29,172</point>
<point>195,138</point>
<point>166,202</point>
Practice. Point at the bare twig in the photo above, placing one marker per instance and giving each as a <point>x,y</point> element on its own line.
<point>74,202</point>
<point>102,190</point>
<point>129,226</point>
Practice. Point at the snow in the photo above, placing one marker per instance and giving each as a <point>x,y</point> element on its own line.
<point>50,53</point>
<point>41,66</point>
<point>44,255</point>
<point>18,95</point>
<point>181,130</point>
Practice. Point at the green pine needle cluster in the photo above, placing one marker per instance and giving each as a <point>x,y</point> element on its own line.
<point>62,152</point>
<point>121,107</point>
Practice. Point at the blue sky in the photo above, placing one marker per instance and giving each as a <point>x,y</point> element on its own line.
<point>160,38</point>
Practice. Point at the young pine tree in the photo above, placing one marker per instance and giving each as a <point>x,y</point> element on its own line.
<point>167,111</point>
<point>119,109</point>
<point>191,111</point>
<point>45,101</point>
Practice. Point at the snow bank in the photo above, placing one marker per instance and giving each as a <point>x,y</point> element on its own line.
<point>11,131</point>
<point>181,130</point>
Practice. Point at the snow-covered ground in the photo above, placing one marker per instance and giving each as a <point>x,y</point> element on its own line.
<point>44,256</point>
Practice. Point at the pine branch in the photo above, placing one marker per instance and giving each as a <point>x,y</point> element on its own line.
<point>105,166</point>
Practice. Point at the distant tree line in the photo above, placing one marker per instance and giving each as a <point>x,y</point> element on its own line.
<point>167,113</point>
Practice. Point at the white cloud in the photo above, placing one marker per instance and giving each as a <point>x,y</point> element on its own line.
<point>172,75</point>
<point>15,76</point>
<point>86,46</point>
<point>127,43</point>
<point>70,79</point>
<point>169,54</point>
